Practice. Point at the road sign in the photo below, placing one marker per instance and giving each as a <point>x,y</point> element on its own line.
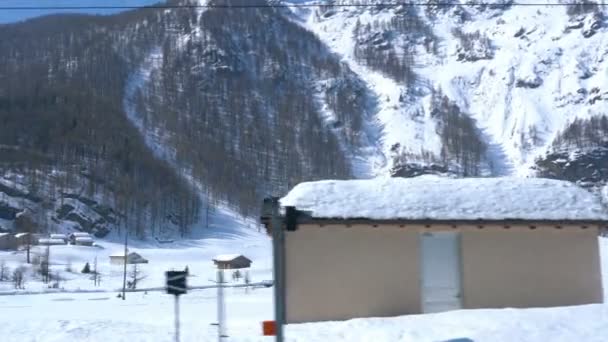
<point>176,282</point>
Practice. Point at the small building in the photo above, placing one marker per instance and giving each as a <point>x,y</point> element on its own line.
<point>36,238</point>
<point>7,241</point>
<point>395,246</point>
<point>50,242</point>
<point>22,239</point>
<point>84,241</point>
<point>62,237</point>
<point>72,237</point>
<point>231,261</point>
<point>118,258</point>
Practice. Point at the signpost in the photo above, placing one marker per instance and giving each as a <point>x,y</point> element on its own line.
<point>176,285</point>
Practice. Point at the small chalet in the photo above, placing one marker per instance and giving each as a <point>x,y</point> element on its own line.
<point>7,241</point>
<point>84,241</point>
<point>85,237</point>
<point>61,237</point>
<point>118,258</point>
<point>22,239</point>
<point>396,246</point>
<point>232,261</point>
<point>50,242</point>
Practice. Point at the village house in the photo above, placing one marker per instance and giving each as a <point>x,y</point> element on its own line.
<point>231,261</point>
<point>50,242</point>
<point>118,258</point>
<point>61,237</point>
<point>395,246</point>
<point>7,241</point>
<point>84,241</point>
<point>81,239</point>
<point>23,239</point>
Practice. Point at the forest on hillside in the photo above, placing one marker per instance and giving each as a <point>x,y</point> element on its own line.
<point>232,95</point>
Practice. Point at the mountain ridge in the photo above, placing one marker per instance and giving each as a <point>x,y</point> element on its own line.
<point>162,117</point>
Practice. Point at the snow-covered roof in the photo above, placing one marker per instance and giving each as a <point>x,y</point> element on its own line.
<point>4,234</point>
<point>58,236</point>
<point>51,242</point>
<point>226,257</point>
<point>80,234</point>
<point>20,235</point>
<point>121,254</point>
<point>84,239</point>
<point>440,198</point>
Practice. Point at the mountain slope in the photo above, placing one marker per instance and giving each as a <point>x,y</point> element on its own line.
<point>161,114</point>
<point>521,73</point>
<point>149,119</point>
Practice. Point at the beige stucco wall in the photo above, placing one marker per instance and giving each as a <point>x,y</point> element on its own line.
<point>530,268</point>
<point>337,273</point>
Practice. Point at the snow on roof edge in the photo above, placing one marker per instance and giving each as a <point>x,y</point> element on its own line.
<point>440,198</point>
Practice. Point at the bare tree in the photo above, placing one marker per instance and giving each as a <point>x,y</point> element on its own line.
<point>19,277</point>
<point>45,263</point>
<point>4,271</point>
<point>247,281</point>
<point>96,277</point>
<point>136,276</point>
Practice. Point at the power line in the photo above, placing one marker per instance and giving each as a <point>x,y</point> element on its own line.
<point>306,5</point>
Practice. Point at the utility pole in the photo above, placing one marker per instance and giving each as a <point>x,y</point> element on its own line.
<point>278,249</point>
<point>176,318</point>
<point>124,273</point>
<point>221,306</point>
<point>95,277</point>
<point>29,245</point>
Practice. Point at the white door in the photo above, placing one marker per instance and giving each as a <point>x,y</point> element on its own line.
<point>440,271</point>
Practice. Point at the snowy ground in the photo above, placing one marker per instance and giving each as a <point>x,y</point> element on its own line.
<point>149,317</point>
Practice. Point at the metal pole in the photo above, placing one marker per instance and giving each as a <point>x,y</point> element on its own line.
<point>278,238</point>
<point>124,273</point>
<point>221,309</point>
<point>176,318</point>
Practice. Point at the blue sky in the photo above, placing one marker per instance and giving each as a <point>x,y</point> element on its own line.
<point>12,16</point>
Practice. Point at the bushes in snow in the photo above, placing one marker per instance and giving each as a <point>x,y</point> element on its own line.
<point>4,271</point>
<point>18,277</point>
<point>460,139</point>
<point>462,148</point>
<point>580,7</point>
<point>473,46</point>
<point>345,98</point>
<point>389,46</point>
<point>584,133</point>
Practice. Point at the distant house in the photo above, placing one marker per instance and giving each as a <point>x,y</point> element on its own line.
<point>118,258</point>
<point>36,238</point>
<point>396,246</point>
<point>62,237</point>
<point>232,261</point>
<point>7,241</point>
<point>84,241</point>
<point>84,238</point>
<point>50,242</point>
<point>22,239</point>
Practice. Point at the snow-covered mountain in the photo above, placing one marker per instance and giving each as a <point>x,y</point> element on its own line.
<point>522,73</point>
<point>158,116</point>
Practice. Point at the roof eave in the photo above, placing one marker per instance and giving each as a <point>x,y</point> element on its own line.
<point>360,220</point>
